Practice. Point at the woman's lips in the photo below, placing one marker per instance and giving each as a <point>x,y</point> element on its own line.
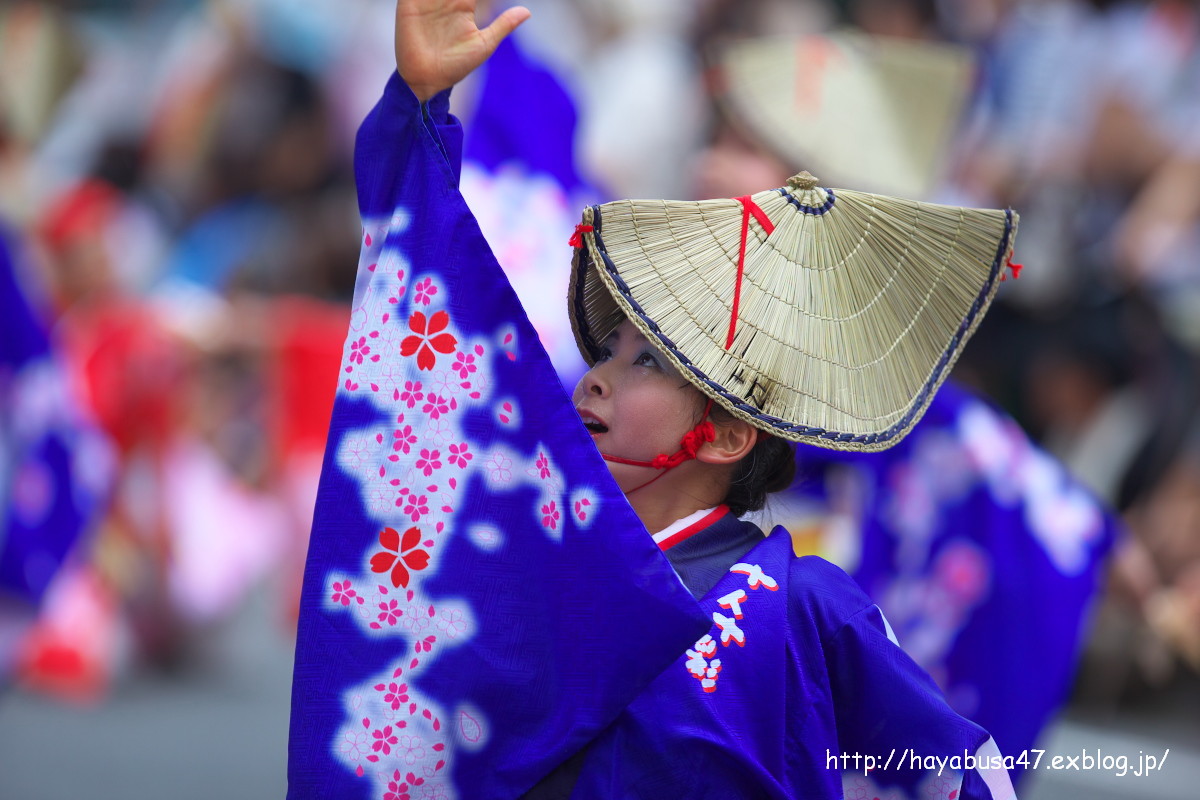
<point>594,424</point>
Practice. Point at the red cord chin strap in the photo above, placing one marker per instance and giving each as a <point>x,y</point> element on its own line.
<point>693,440</point>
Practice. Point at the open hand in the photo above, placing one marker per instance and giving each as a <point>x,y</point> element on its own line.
<point>438,42</point>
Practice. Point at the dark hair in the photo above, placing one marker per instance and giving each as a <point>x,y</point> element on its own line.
<point>769,467</point>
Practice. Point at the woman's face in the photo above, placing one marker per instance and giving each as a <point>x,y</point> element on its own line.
<point>635,404</point>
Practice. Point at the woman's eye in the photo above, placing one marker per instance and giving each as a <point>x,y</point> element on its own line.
<point>646,360</point>
<point>604,355</point>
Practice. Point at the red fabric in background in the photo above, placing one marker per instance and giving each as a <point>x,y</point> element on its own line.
<point>305,354</point>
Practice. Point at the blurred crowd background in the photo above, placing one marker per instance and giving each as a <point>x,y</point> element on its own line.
<point>177,206</point>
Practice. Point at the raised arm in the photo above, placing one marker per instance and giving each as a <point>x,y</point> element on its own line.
<point>438,42</point>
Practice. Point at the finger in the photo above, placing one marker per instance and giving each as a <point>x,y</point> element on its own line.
<point>502,26</point>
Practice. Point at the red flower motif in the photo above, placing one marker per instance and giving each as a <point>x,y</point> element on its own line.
<point>400,555</point>
<point>428,338</point>
<point>550,515</point>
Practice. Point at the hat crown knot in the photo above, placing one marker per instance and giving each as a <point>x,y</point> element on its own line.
<point>804,181</point>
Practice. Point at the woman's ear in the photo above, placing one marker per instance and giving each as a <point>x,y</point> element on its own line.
<point>732,441</point>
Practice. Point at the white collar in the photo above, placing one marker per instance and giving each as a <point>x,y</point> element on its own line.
<point>679,524</point>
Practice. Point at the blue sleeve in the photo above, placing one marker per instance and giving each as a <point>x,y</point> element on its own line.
<point>887,706</point>
<point>887,710</point>
<point>447,129</point>
<point>398,130</point>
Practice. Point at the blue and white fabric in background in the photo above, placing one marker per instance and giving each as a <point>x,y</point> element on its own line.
<point>56,468</point>
<point>980,548</point>
<point>479,599</point>
<point>523,185</point>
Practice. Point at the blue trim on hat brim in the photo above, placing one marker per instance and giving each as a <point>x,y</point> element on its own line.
<point>795,431</point>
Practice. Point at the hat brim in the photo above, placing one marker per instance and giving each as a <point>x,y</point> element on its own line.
<point>846,379</point>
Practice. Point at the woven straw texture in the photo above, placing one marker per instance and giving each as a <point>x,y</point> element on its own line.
<point>851,312</point>
<point>871,112</point>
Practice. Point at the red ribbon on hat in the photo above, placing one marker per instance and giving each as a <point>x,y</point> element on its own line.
<point>1015,268</point>
<point>576,239</point>
<point>749,207</point>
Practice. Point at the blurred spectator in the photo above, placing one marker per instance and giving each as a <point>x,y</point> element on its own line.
<point>55,476</point>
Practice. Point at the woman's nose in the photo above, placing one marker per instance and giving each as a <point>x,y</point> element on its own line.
<point>594,381</point>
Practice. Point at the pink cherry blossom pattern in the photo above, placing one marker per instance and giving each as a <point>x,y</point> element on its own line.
<point>453,622</point>
<point>425,290</point>
<point>581,508</point>
<point>435,791</point>
<point>342,593</point>
<point>389,613</point>
<point>360,349</point>
<point>464,365</point>
<point>436,406</point>
<point>394,694</point>
<point>412,393</point>
<point>414,505</point>
<point>415,620</point>
<point>429,461</point>
<point>397,789</point>
<point>384,741</point>
<point>411,749</point>
<point>403,439</point>
<point>550,515</point>
<point>499,468</point>
<point>445,383</point>
<point>459,455</point>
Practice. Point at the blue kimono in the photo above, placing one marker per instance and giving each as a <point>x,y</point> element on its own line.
<point>481,605</point>
<point>796,691</point>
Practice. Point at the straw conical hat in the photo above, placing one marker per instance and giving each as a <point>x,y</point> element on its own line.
<point>850,312</point>
<point>873,112</point>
